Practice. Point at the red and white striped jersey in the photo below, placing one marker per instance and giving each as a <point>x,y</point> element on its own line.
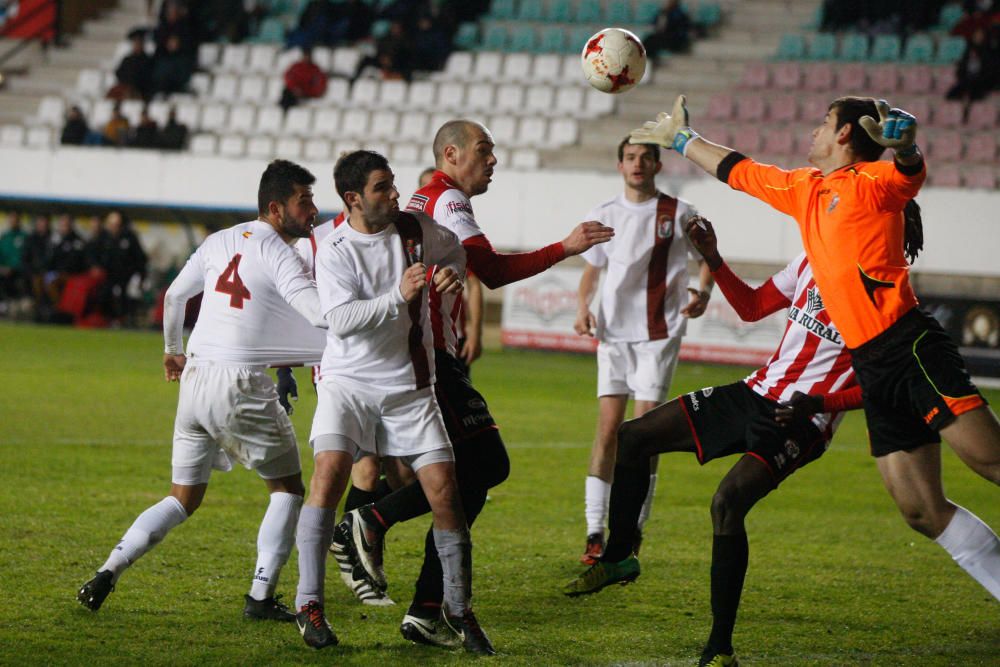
<point>646,279</point>
<point>811,357</point>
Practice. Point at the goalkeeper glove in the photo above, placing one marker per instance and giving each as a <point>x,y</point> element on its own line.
<point>895,129</point>
<point>287,389</point>
<point>669,130</point>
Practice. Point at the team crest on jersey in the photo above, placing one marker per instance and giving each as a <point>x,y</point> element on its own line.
<point>417,203</point>
<point>814,302</point>
<point>247,235</point>
<point>833,203</point>
<point>664,227</point>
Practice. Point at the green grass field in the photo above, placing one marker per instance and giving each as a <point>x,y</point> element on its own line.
<point>836,577</point>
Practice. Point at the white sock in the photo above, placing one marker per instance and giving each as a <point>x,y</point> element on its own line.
<point>274,542</point>
<point>596,500</point>
<point>454,549</point>
<point>313,540</point>
<point>647,504</point>
<point>975,548</point>
<point>146,532</point>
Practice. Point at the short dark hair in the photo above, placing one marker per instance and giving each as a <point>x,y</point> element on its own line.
<point>852,110</point>
<point>350,174</point>
<point>278,182</point>
<point>654,149</point>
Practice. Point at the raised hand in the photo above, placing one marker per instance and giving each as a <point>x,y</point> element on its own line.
<point>895,128</point>
<point>413,282</point>
<point>586,235</point>
<point>702,236</point>
<point>664,130</point>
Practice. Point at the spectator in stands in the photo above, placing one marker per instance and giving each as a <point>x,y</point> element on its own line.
<point>134,74</point>
<point>94,243</point>
<point>121,257</point>
<point>35,257</point>
<point>671,30</point>
<point>392,55</point>
<point>75,132</point>
<point>11,262</point>
<point>172,67</point>
<point>173,137</point>
<point>222,20</point>
<point>116,130</point>
<point>352,20</point>
<point>315,25</point>
<point>175,22</point>
<point>66,257</point>
<point>977,72</point>
<point>303,80</point>
<point>147,133</point>
<point>431,44</point>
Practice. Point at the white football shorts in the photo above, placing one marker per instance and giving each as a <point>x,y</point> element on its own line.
<point>642,369</point>
<point>386,423</point>
<point>234,408</point>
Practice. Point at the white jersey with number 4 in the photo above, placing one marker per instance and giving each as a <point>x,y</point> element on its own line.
<point>646,265</point>
<point>249,275</point>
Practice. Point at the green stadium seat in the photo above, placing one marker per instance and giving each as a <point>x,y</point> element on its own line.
<point>502,10</point>
<point>919,49</point>
<point>886,49</point>
<point>949,16</point>
<point>560,11</point>
<point>646,11</point>
<point>522,38</point>
<point>577,38</point>
<point>467,36</point>
<point>791,47</point>
<point>530,10</point>
<point>854,47</point>
<point>618,14</point>
<point>589,11</point>
<point>815,20</point>
<point>380,28</point>
<point>495,38</point>
<point>823,46</point>
<point>949,50</point>
<point>272,31</point>
<point>708,14</point>
<point>553,40</point>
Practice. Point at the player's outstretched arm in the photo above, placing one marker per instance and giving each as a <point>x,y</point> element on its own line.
<point>672,131</point>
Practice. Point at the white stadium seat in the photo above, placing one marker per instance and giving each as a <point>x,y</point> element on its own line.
<point>380,147</point>
<point>548,68</point>
<point>224,87</point>
<point>288,148</point>
<point>208,55</point>
<point>200,83</point>
<point>203,144</point>
<point>261,147</point>
<point>188,114</point>
<point>487,67</point>
<point>405,154</point>
<point>345,61</point>
<point>413,127</point>
<point>392,94</point>
<point>253,89</point>
<point>421,95</point>
<point>274,89</point>
<point>241,118</point>
<point>571,70</point>
<point>269,120</point>
<point>214,116</point>
<point>570,101</point>
<point>531,131</point>
<point>262,58</point>
<point>90,83</point>
<point>504,129</point>
<point>524,158</point>
<point>326,122</point>
<point>451,96</point>
<point>502,155</point>
<point>427,155</point>
<point>317,149</point>
<point>539,99</point>
<point>458,67</point>
<point>322,56</point>
<point>364,92</point>
<point>563,132</point>
<point>132,110</point>
<point>384,124</point>
<point>234,57</point>
<point>510,97</point>
<point>159,111</point>
<point>345,146</point>
<point>232,145</point>
<point>52,111</point>
<point>479,97</point>
<point>12,136</point>
<point>598,103</point>
<point>299,121</point>
<point>355,124</point>
<point>338,93</point>
<point>517,67</point>
<point>436,120</point>
<point>101,113</point>
<point>285,59</point>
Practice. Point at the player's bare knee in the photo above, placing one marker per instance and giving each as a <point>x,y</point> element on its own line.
<point>920,519</point>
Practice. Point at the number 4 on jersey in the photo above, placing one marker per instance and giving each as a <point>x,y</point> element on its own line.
<point>230,283</point>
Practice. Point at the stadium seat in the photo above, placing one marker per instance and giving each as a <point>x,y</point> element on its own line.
<point>951,14</point>
<point>234,57</point>
<point>577,39</point>
<point>51,111</point>
<point>252,89</point>
<point>100,113</point>
<point>949,50</point>
<point>919,49</point>
<point>338,93</point>
<point>384,124</point>
<point>214,117</point>
<point>708,14</point>
<point>272,31</point>
<point>944,79</point>
<point>343,60</point>
<point>187,114</point>
<point>354,124</point>
<point>948,115</point>
<point>553,40</point>
<point>502,9</point>
<point>524,158</point>
<point>487,66</point>
<point>12,136</point>
<point>262,58</point>
<point>853,47</point>
<point>563,132</point>
<point>467,36</point>
<point>547,68</point>
<point>204,144</point>
<point>812,108</point>
<point>260,147</point>
<point>746,139</point>
<point>299,121</point>
<point>570,101</point>
<point>325,122</point>
<point>405,154</point>
<point>289,148</point>
<point>779,141</point>
<point>783,109</point>
<point>646,11</point>
<point>200,84</point>
<point>786,76</point>
<point>318,150</point>
<point>571,72</point>
<point>380,29</point>
<point>479,96</point>
<point>884,78</point>
<point>224,87</point>
<point>522,37</point>
<point>822,46</point>
<point>132,110</point>
<point>232,145</point>
<point>531,131</point>
<point>982,115</point>
<point>560,11</point>
<point>457,68</point>
<point>981,148</point>
<point>242,118</point>
<point>90,83</point>
<point>364,92</point>
<point>852,79</point>
<point>495,38</point>
<point>618,13</point>
<point>598,103</point>
<point>451,96</point>
<point>980,177</point>
<point>392,93</point>
<point>792,46</point>
<point>350,145</point>
<point>919,106</point>
<point>539,99</point>
<point>588,11</point>
<point>529,11</point>
<point>916,80</point>
<point>818,77</point>
<point>756,75</point>
<point>510,98</point>
<point>516,67</point>
<point>886,49</point>
<point>504,129</point>
<point>413,127</point>
<point>269,120</point>
<point>208,55</point>
<point>720,107</point>
<point>944,146</point>
<point>421,95</point>
<point>159,110</point>
<point>751,108</point>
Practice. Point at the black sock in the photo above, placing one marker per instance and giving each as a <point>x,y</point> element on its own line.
<point>402,504</point>
<point>628,492</point>
<point>382,489</point>
<point>358,497</point>
<point>730,554</point>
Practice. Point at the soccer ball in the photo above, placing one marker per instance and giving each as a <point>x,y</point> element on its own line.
<point>613,60</point>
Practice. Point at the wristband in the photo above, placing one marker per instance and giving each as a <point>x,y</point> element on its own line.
<point>681,139</point>
<point>909,151</point>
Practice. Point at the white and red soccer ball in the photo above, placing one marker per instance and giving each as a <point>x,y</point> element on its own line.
<point>613,60</point>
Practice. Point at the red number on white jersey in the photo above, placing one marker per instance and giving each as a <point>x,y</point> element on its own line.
<point>230,283</point>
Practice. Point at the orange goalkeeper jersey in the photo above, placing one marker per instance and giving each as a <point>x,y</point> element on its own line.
<point>851,222</point>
